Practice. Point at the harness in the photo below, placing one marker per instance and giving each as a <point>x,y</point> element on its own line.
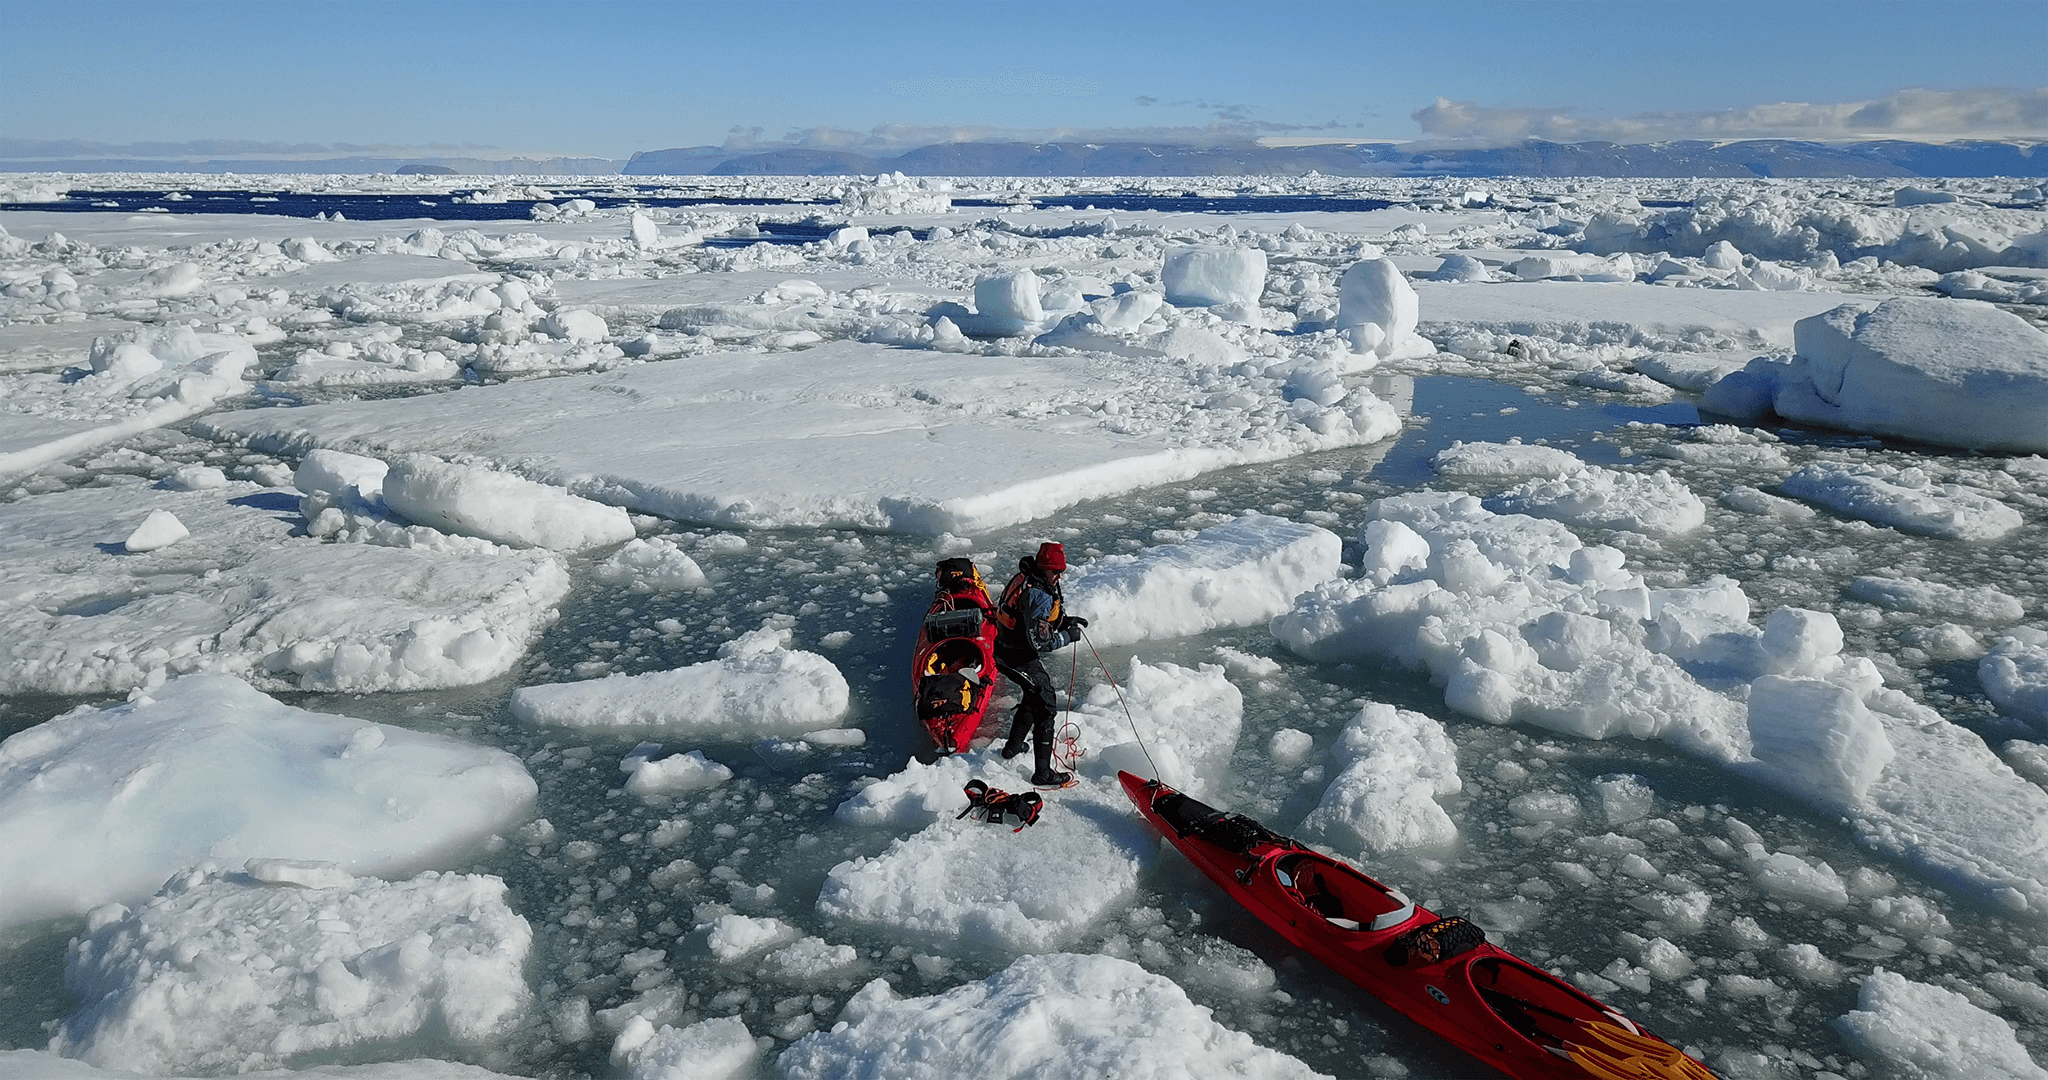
<point>1011,613</point>
<point>990,804</point>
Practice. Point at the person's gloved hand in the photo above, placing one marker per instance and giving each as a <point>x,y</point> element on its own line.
<point>1072,623</point>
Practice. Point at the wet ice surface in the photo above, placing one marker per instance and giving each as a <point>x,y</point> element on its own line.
<point>1694,900</point>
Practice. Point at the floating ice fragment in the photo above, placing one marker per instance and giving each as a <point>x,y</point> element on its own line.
<point>160,529</point>
<point>676,775</point>
<point>757,686</point>
<point>1201,276</point>
<point>499,506</point>
<point>1904,499</point>
<point>1395,763</point>
<point>717,1049</point>
<point>651,564</point>
<point>2015,674</point>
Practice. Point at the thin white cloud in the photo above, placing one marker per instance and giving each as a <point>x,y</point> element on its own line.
<point>1984,113</point>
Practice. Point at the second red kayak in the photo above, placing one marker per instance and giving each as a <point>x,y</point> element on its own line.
<point>953,670</point>
<point>1440,972</point>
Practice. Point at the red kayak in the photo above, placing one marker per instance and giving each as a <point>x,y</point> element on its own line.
<point>1439,972</point>
<point>953,672</point>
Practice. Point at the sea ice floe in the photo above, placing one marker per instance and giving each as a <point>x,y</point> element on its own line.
<point>757,686</point>
<point>1904,498</point>
<point>986,888</point>
<point>1177,723</point>
<point>990,888</point>
<point>1917,1031</point>
<point>244,596</point>
<point>1051,1017</point>
<point>1949,372</point>
<point>105,803</point>
<point>1240,573</point>
<point>1392,764</point>
<point>924,442</point>
<point>1508,459</point>
<point>220,970</point>
<point>1980,604</point>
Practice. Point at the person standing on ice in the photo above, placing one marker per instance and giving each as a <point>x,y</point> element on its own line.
<point>1030,622</point>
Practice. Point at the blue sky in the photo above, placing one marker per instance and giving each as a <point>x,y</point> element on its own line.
<point>606,79</point>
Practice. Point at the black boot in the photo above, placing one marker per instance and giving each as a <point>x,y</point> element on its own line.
<point>1019,728</point>
<point>1044,775</point>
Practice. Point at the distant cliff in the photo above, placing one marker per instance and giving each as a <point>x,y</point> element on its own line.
<point>1755,157</point>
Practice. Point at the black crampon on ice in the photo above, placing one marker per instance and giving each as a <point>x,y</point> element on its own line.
<point>993,804</point>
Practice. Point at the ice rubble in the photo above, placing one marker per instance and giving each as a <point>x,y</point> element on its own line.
<point>923,442</point>
<point>1655,503</point>
<point>130,383</point>
<point>1916,1031</point>
<point>1039,888</point>
<point>1393,763</point>
<point>1904,498</point>
<point>1240,573</point>
<point>227,970</point>
<point>242,596</point>
<point>1520,622</point>
<point>1949,372</point>
<point>105,803</point>
<point>1796,226</point>
<point>1054,1016</point>
<point>757,686</point>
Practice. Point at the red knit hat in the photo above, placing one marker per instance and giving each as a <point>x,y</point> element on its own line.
<point>1051,556</point>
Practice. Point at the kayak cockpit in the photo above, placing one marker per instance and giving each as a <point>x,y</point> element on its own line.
<point>1540,1007</point>
<point>1343,897</point>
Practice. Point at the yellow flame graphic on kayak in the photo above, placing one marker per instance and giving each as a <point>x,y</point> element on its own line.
<point>1626,1055</point>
